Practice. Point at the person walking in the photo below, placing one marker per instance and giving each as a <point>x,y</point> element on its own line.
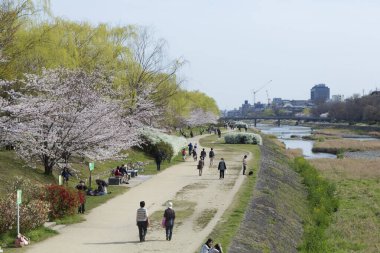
<point>195,156</point>
<point>211,155</point>
<point>244,164</point>
<point>219,132</point>
<point>190,148</point>
<point>207,246</point>
<point>66,174</point>
<point>203,154</point>
<point>221,167</point>
<point>200,165</point>
<point>158,159</point>
<point>142,221</point>
<point>183,154</point>
<point>169,216</point>
<point>82,188</point>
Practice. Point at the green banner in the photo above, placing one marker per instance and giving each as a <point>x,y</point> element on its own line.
<point>91,166</point>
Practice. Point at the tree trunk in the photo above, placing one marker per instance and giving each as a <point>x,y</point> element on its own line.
<point>48,165</point>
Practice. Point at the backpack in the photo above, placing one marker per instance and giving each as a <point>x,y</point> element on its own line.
<point>211,154</point>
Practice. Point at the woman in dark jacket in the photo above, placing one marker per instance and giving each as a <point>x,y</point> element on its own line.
<point>169,216</point>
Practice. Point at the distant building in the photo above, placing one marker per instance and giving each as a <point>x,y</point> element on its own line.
<point>337,98</point>
<point>320,93</point>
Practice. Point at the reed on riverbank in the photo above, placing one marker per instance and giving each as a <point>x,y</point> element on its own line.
<point>341,145</point>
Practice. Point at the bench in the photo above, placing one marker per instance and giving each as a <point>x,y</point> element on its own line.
<point>132,173</point>
<point>114,180</point>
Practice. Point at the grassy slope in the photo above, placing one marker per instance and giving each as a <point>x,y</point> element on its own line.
<point>11,166</point>
<point>356,225</point>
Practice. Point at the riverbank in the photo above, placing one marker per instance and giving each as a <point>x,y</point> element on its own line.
<point>273,221</point>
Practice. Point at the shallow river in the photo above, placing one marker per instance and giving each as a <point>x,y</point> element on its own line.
<point>284,133</point>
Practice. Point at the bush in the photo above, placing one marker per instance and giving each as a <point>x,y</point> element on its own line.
<point>243,138</point>
<point>165,148</point>
<point>63,201</point>
<point>154,137</point>
<point>33,213</point>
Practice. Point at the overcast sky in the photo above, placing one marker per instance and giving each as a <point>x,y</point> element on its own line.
<point>235,47</point>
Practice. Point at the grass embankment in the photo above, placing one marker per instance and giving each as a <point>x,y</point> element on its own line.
<point>355,226</point>
<point>322,204</point>
<point>226,228</point>
<point>11,166</point>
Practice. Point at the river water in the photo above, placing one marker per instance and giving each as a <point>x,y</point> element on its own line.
<point>284,134</point>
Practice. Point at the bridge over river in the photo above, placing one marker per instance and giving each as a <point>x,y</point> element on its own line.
<point>277,118</point>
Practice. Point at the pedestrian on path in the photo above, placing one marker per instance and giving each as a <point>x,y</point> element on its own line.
<point>184,154</point>
<point>219,132</point>
<point>190,148</point>
<point>200,165</point>
<point>244,164</point>
<point>221,167</point>
<point>207,246</point>
<point>211,155</point>
<point>195,156</point>
<point>142,220</point>
<point>82,188</point>
<point>203,154</point>
<point>158,159</point>
<point>169,216</point>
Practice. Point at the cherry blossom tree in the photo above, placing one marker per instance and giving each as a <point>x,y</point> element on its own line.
<point>199,117</point>
<point>64,113</point>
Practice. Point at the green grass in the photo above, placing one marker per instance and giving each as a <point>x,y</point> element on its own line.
<point>355,226</point>
<point>228,225</point>
<point>322,201</point>
<point>36,235</point>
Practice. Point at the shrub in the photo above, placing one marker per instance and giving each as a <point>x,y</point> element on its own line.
<point>63,201</point>
<point>153,137</point>
<point>243,138</point>
<point>165,148</point>
<point>32,214</point>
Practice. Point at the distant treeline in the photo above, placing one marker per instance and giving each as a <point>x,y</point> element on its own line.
<point>354,109</point>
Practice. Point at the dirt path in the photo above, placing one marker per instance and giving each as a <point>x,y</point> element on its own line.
<point>112,227</point>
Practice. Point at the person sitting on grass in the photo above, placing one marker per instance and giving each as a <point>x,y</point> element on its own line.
<point>101,190</point>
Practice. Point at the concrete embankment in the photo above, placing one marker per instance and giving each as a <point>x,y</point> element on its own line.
<point>273,221</point>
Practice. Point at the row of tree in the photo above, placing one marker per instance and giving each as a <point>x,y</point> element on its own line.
<point>354,109</point>
<point>88,89</point>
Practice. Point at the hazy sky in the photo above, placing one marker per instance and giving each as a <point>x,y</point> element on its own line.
<point>235,47</point>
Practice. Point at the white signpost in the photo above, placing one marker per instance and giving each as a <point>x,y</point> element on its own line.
<point>91,167</point>
<point>18,203</point>
<point>60,180</point>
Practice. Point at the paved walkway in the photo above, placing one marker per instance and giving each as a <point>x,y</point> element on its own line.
<point>112,226</point>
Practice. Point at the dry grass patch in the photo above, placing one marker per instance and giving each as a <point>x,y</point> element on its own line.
<point>204,218</point>
<point>336,145</point>
<point>292,153</point>
<point>348,168</point>
<point>334,132</point>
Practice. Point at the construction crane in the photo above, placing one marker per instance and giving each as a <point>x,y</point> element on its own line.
<point>268,97</point>
<point>255,91</point>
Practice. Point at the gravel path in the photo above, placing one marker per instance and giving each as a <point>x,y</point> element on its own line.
<point>112,226</point>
